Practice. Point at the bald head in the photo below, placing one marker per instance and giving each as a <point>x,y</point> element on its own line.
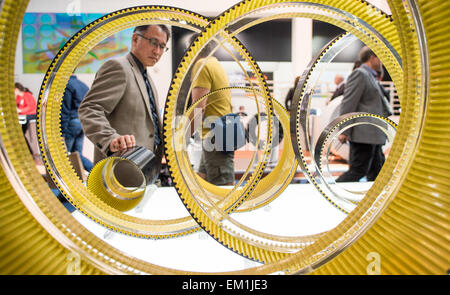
<point>338,79</point>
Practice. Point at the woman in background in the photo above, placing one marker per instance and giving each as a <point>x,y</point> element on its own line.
<point>26,106</point>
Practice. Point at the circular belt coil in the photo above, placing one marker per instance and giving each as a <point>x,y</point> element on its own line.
<point>185,179</point>
<point>415,215</point>
<point>331,131</point>
<point>410,235</point>
<point>300,118</point>
<point>244,240</point>
<point>53,149</point>
<point>121,180</point>
<point>273,184</point>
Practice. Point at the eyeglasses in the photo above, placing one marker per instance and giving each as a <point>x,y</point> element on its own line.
<point>153,42</point>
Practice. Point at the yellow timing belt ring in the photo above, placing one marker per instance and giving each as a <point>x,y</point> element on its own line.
<point>300,110</point>
<point>324,139</point>
<point>330,132</point>
<point>220,192</point>
<point>410,235</point>
<point>174,132</point>
<point>221,227</point>
<point>414,217</point>
<point>53,149</point>
<point>265,191</point>
<point>272,185</point>
<point>178,230</point>
<point>300,114</point>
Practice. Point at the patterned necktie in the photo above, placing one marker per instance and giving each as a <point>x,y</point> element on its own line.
<point>153,109</point>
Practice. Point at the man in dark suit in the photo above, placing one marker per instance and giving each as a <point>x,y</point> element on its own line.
<point>363,94</point>
<point>121,109</point>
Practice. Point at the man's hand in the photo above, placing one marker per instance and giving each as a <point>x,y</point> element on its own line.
<point>343,138</point>
<point>122,143</point>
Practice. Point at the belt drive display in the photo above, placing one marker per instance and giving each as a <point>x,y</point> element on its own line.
<point>403,216</point>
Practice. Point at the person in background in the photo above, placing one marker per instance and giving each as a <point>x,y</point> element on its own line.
<point>340,86</point>
<point>386,93</point>
<point>70,123</point>
<point>356,65</point>
<point>290,95</point>
<point>216,166</point>
<point>363,94</point>
<point>242,112</point>
<point>26,106</point>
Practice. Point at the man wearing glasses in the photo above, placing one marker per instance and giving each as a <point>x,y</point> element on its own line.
<point>120,111</point>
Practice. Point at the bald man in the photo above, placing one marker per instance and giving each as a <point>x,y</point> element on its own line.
<point>340,87</point>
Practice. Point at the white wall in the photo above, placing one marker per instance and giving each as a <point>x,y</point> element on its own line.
<point>302,30</point>
<point>205,7</point>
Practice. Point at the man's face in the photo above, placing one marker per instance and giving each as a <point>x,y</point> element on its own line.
<point>147,48</point>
